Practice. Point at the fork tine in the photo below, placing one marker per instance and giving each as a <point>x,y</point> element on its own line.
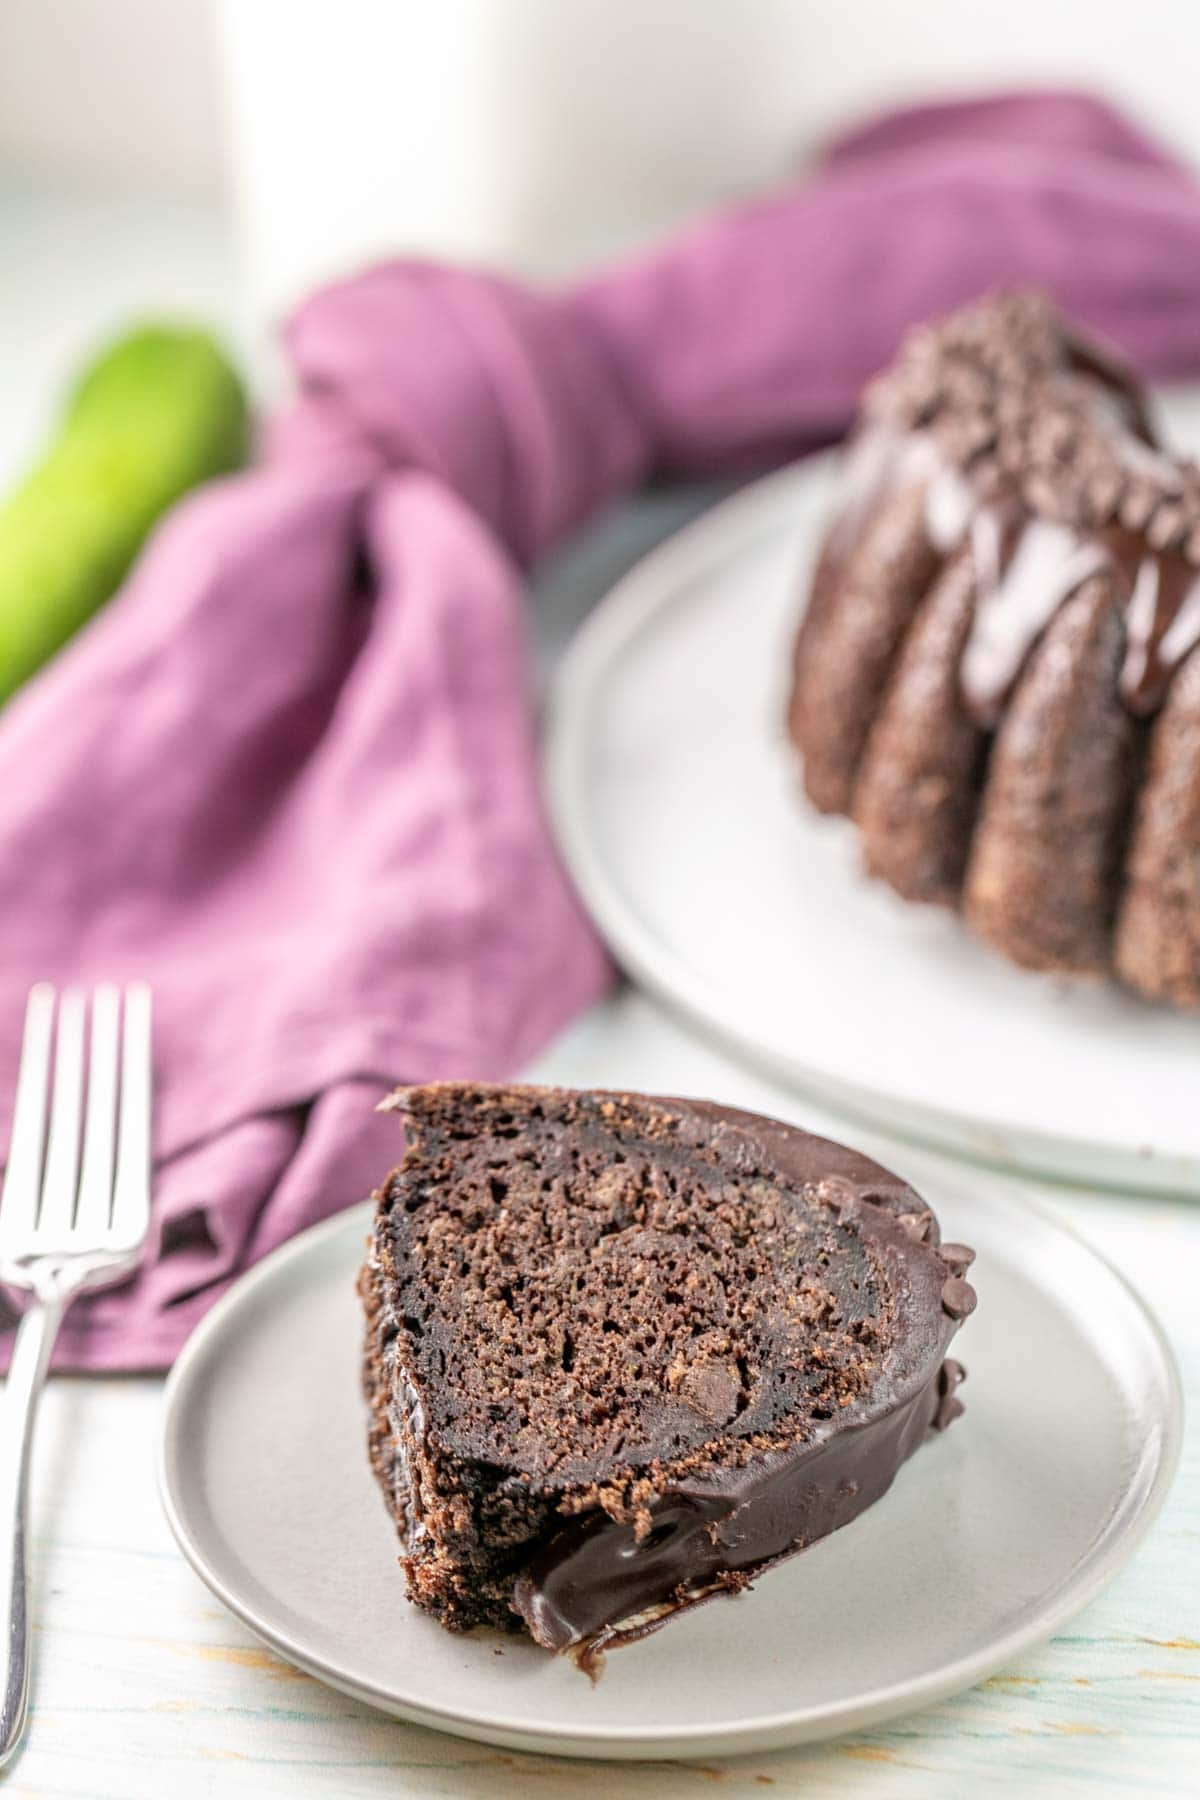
<point>131,1191</point>
<point>100,1123</point>
<point>61,1173</point>
<point>22,1178</point>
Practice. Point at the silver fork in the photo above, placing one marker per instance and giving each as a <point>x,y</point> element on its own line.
<point>74,1215</point>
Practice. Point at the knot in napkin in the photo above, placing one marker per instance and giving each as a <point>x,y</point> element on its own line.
<point>511,397</point>
<point>288,775</point>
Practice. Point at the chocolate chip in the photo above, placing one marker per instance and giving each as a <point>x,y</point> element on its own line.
<point>712,1389</point>
<point>1104,490</point>
<point>949,1407</point>
<point>1167,526</point>
<point>958,1297</point>
<point>1137,505</point>
<point>957,1256</point>
<point>916,1224</point>
<point>948,1410</point>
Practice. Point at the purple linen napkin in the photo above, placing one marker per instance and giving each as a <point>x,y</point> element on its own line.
<point>288,774</point>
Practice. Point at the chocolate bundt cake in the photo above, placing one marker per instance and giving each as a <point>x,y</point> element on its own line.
<point>997,676</point>
<point>624,1353</point>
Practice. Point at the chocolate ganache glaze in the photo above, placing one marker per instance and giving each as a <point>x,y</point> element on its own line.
<point>625,1352</point>
<point>1035,451</point>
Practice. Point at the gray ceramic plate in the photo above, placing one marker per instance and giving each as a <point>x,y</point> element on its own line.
<point>991,1537</point>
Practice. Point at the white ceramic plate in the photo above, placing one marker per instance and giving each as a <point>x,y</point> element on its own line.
<point>992,1535</point>
<point>678,807</point>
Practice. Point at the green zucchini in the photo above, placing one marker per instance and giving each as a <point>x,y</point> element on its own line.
<point>160,410</point>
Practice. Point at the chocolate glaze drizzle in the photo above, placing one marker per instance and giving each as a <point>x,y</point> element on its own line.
<point>1038,460</point>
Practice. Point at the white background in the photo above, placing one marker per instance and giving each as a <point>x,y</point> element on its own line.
<point>527,131</point>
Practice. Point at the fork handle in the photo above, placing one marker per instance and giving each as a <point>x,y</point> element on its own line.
<point>31,1354</point>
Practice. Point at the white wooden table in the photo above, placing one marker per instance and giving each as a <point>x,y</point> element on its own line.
<point>145,1687</point>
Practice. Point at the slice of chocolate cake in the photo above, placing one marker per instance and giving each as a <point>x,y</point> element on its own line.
<point>623,1353</point>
